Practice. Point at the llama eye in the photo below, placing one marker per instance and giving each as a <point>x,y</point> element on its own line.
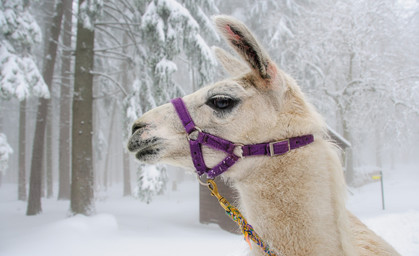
<point>221,103</point>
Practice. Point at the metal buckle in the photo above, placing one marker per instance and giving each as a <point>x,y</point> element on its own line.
<point>196,129</point>
<point>271,146</point>
<point>238,146</point>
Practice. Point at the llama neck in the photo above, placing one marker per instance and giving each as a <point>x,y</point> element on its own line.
<point>297,206</point>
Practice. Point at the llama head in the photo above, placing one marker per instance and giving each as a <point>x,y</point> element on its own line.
<point>259,103</point>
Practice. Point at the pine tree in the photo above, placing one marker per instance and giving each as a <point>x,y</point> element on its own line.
<point>19,76</point>
<point>138,62</point>
<point>5,152</point>
<point>151,182</point>
<point>168,31</point>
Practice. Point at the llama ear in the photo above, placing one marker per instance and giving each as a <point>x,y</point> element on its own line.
<point>242,40</point>
<point>231,64</point>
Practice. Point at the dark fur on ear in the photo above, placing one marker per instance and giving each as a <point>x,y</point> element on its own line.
<point>242,40</point>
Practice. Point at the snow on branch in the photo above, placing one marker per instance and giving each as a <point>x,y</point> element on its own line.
<point>89,12</point>
<point>165,68</point>
<point>19,76</point>
<point>18,25</point>
<point>5,152</point>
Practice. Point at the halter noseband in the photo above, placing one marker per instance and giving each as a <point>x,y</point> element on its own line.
<point>262,149</point>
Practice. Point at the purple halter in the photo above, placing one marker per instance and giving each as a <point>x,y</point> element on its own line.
<point>263,149</point>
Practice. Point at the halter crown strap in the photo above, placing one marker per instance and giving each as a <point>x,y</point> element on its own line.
<point>268,149</point>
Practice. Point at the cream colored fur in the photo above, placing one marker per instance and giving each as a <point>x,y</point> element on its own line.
<point>296,202</point>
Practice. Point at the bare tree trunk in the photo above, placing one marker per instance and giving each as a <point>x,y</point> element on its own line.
<point>108,151</point>
<point>48,151</point>
<point>378,149</point>
<point>64,161</point>
<point>35,180</point>
<point>34,202</point>
<point>82,165</point>
<point>125,156</point>
<point>22,152</point>
<point>44,165</point>
<point>349,172</point>
<point>127,173</point>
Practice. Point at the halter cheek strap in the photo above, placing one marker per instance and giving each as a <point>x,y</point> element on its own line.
<point>263,149</point>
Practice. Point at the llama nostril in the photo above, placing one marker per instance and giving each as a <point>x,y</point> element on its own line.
<point>138,126</point>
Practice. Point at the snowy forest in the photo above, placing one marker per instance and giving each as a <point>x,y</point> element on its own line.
<point>74,75</point>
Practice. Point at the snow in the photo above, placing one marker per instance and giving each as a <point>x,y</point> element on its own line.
<point>170,224</point>
<point>89,12</point>
<point>399,222</point>
<point>206,51</point>
<point>19,76</point>
<point>151,20</point>
<point>5,152</point>
<point>165,67</point>
<point>18,24</point>
<point>151,181</point>
<point>178,15</point>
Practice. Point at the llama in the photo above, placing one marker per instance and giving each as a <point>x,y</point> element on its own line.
<point>295,201</point>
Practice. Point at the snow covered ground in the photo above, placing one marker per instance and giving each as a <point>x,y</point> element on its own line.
<point>170,224</point>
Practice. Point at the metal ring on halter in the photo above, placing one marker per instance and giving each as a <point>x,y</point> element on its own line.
<point>240,147</point>
<point>201,182</point>
<point>195,129</point>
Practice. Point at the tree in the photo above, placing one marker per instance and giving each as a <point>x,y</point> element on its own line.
<point>21,194</point>
<point>350,58</point>
<point>125,154</point>
<point>82,130</point>
<point>151,182</point>
<point>361,72</point>
<point>168,31</point>
<point>34,202</point>
<point>127,173</point>
<point>65,106</point>
<point>5,152</point>
<point>133,64</point>
<point>19,77</point>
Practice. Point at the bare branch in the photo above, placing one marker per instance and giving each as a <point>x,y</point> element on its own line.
<point>100,29</point>
<point>110,78</point>
<point>112,57</point>
<point>113,48</point>
<point>106,95</point>
<point>116,23</point>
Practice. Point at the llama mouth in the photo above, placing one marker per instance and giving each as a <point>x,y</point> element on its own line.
<point>148,154</point>
<point>145,150</point>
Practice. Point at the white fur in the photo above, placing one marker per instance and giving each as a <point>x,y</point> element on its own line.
<point>296,202</point>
